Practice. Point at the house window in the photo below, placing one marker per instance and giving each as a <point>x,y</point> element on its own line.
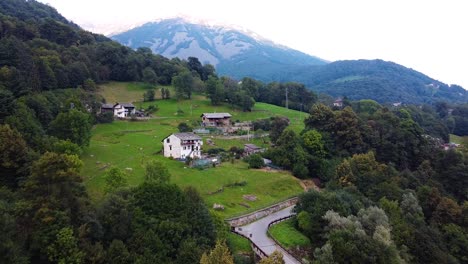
<point>170,147</point>
<point>168,140</point>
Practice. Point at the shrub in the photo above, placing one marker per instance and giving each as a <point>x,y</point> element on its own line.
<point>255,161</point>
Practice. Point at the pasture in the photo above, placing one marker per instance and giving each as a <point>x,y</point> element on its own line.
<point>128,145</point>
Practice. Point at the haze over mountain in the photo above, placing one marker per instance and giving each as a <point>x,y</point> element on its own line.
<point>233,52</point>
<point>241,53</point>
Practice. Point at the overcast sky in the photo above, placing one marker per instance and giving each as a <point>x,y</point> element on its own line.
<point>429,36</point>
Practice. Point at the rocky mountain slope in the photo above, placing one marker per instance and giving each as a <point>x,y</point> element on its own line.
<point>233,52</point>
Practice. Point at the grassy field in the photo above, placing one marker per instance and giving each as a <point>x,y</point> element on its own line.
<point>129,145</point>
<point>238,244</point>
<point>287,235</point>
<point>458,139</point>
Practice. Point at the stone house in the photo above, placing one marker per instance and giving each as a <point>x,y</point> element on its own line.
<point>216,119</point>
<point>252,148</point>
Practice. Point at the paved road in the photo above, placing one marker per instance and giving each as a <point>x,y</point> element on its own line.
<point>257,231</point>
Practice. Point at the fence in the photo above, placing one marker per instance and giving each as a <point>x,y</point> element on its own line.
<point>254,216</point>
<point>255,248</point>
<point>277,243</point>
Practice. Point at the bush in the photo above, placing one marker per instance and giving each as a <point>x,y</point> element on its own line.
<point>184,127</point>
<point>106,117</point>
<point>255,161</point>
<point>152,109</point>
<point>148,96</point>
<point>215,151</point>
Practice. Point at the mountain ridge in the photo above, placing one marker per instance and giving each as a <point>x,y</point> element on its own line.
<point>222,46</point>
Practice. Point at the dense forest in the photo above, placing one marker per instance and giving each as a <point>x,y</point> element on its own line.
<point>391,193</point>
<point>387,183</point>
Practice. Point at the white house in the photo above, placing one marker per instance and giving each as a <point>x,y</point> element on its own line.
<point>182,145</point>
<point>124,109</point>
<point>338,102</point>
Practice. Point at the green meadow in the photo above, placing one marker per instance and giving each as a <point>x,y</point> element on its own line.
<point>128,145</point>
<point>458,140</point>
<point>287,235</point>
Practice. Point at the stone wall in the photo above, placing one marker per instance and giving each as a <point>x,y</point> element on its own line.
<point>254,216</point>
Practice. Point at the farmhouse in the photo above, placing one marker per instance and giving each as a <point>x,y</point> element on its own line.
<point>216,119</point>
<point>182,145</point>
<point>338,102</point>
<point>124,109</point>
<point>119,109</point>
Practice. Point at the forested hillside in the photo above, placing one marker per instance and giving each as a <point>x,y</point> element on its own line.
<point>384,82</point>
<point>49,68</point>
<point>391,193</point>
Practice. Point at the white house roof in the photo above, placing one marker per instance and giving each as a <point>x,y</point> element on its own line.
<point>187,136</point>
<point>216,115</point>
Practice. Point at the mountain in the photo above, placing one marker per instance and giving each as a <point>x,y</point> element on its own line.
<point>383,81</point>
<point>240,53</point>
<point>237,53</point>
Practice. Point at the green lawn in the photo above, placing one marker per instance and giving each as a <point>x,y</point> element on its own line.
<point>238,244</point>
<point>123,92</point>
<point>458,139</point>
<point>129,145</point>
<point>287,235</point>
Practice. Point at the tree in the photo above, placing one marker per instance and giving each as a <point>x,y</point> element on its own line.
<point>321,118</point>
<point>14,154</point>
<point>156,172</point>
<point>165,93</point>
<point>246,102</point>
<point>89,85</point>
<point>115,178</point>
<point>118,253</point>
<point>184,127</point>
<point>312,141</point>
<point>348,135</point>
<point>7,102</point>
<point>66,147</point>
<point>255,161</point>
<point>183,84</point>
<point>149,76</point>
<point>148,96</point>
<point>55,178</point>
<point>65,248</point>
<point>195,66</point>
<point>278,125</point>
<point>215,90</point>
<point>324,255</point>
<point>73,125</point>
<point>275,258</point>
<point>219,255</point>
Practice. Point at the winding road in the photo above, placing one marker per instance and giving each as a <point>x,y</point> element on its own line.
<point>257,232</point>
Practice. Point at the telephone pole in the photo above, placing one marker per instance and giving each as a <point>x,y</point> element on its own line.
<point>287,97</point>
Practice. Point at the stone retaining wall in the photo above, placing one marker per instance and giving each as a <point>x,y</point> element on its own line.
<point>254,216</point>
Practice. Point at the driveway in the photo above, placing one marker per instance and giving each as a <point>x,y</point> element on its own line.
<point>257,231</point>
